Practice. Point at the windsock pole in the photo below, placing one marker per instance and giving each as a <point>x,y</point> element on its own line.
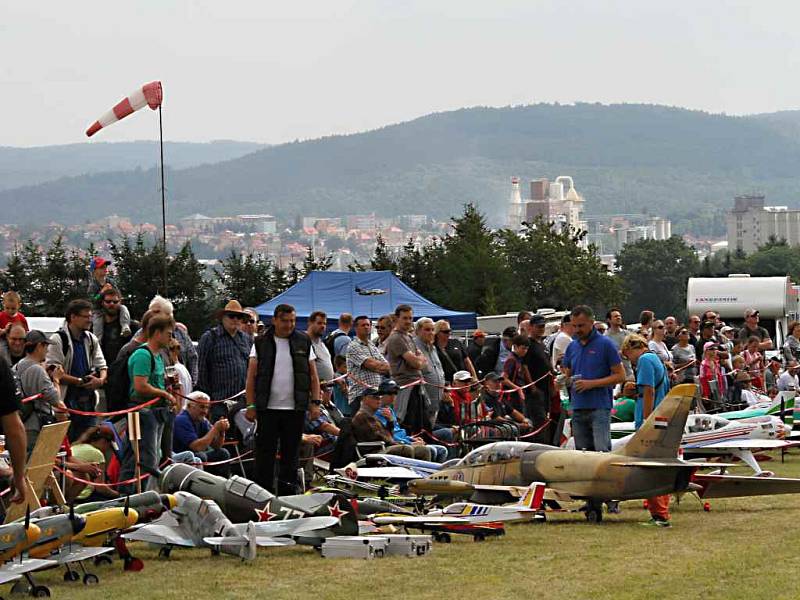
<point>163,199</point>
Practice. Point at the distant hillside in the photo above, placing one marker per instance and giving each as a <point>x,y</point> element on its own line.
<point>625,158</point>
<point>30,166</point>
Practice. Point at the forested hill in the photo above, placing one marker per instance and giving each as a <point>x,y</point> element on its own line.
<point>31,166</point>
<point>624,158</point>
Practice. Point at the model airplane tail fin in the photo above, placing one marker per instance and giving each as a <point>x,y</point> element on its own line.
<point>783,407</point>
<point>660,435</point>
<point>533,496</point>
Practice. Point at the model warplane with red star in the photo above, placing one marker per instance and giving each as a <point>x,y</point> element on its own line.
<point>242,500</point>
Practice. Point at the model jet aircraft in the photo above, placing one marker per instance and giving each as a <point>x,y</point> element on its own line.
<point>528,507</point>
<point>195,522</point>
<point>242,500</point>
<point>646,466</point>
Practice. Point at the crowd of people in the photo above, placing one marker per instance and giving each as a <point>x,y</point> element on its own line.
<point>410,388</point>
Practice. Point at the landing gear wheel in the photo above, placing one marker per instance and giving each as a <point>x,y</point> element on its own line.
<point>131,563</point>
<point>104,559</point>
<point>215,552</point>
<point>71,576</point>
<point>164,552</point>
<point>445,538</point>
<point>40,591</point>
<point>90,579</point>
<point>479,537</point>
<point>378,553</point>
<point>594,515</point>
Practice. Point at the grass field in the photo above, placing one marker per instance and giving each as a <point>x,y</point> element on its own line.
<point>743,548</point>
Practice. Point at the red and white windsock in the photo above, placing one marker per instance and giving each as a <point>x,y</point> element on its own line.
<point>150,94</point>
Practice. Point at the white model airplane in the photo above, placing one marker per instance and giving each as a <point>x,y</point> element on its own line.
<point>201,523</point>
<point>528,507</point>
<point>713,435</point>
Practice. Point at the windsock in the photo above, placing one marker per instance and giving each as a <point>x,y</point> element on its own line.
<point>149,94</point>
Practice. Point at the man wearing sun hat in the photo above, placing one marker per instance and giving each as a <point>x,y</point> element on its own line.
<point>222,356</point>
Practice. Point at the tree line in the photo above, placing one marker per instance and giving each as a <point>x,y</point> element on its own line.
<point>472,268</point>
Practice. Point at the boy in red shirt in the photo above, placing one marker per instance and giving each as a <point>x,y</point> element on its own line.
<point>10,313</point>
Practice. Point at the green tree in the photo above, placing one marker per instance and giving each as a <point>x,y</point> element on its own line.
<point>190,292</point>
<point>383,259</point>
<point>247,278</point>
<point>15,276</point>
<point>470,270</point>
<point>775,260</point>
<point>315,263</point>
<point>654,274</point>
<point>550,268</point>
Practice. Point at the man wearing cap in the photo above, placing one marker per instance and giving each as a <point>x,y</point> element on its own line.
<point>475,345</point>
<point>222,356</point>
<point>752,328</point>
<point>100,282</point>
<point>281,382</point>
<point>193,432</point>
<point>34,379</point>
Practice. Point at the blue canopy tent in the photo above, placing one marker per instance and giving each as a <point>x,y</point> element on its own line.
<point>335,292</point>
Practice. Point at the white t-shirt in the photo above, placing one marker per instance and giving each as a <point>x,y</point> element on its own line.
<point>560,345</point>
<point>281,392</point>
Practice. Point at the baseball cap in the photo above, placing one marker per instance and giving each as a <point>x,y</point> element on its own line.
<point>462,376</point>
<point>537,320</point>
<point>492,376</point>
<point>478,333</point>
<point>750,312</point>
<point>99,262</point>
<point>388,387</point>
<point>726,329</point>
<point>35,336</point>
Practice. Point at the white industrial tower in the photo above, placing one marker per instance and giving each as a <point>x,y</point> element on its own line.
<point>515,206</point>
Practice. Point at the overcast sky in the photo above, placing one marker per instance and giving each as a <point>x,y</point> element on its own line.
<point>276,71</point>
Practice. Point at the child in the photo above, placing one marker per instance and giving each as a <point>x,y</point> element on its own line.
<point>754,362</point>
<point>10,313</point>
<point>99,282</point>
<point>340,387</point>
<point>625,405</point>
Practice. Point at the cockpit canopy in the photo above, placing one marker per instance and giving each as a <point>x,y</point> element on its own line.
<point>496,452</point>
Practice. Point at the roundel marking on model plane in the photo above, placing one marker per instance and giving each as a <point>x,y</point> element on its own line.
<point>458,476</point>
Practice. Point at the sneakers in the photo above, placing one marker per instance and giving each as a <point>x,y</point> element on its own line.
<point>658,523</point>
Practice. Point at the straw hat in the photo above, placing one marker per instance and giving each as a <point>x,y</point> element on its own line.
<point>232,308</point>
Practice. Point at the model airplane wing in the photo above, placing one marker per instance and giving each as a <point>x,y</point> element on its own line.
<point>402,520</point>
<point>164,535</point>
<point>743,444</point>
<point>293,526</point>
<point>666,462</point>
<point>73,554</point>
<point>240,540</point>
<point>14,570</point>
<point>380,473</point>
<point>732,486</point>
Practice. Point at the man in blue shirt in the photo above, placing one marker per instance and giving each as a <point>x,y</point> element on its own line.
<point>593,365</point>
<point>193,432</point>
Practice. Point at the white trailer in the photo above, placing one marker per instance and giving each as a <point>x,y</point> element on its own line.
<point>775,298</point>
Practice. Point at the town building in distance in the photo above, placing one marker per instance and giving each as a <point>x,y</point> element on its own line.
<point>751,224</point>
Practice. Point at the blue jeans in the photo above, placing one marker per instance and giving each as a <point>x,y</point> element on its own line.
<point>151,423</point>
<point>591,428</point>
<point>438,453</point>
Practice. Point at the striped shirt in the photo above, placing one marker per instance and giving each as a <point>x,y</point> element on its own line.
<point>357,353</point>
<point>222,362</point>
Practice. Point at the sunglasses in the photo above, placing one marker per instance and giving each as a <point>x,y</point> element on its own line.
<point>659,327</point>
<point>111,301</point>
<point>445,331</point>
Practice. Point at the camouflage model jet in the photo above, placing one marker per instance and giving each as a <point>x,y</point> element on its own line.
<point>647,466</point>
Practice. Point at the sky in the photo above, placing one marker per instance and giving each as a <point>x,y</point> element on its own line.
<point>273,72</point>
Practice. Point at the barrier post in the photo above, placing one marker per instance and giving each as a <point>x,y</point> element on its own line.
<point>134,435</point>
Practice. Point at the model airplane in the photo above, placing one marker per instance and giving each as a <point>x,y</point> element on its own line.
<point>201,523</point>
<point>713,435</point>
<point>646,466</point>
<point>528,507</point>
<point>242,500</point>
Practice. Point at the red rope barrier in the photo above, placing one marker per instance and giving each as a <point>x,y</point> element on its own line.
<point>69,475</point>
<point>91,413</point>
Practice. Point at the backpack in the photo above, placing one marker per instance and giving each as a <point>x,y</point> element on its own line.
<point>330,339</point>
<point>118,386</point>
<point>27,408</point>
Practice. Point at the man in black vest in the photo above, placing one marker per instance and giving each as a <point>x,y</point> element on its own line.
<point>281,380</point>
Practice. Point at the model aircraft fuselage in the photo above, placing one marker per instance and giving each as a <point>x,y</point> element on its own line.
<point>55,532</point>
<point>103,522</point>
<point>15,538</point>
